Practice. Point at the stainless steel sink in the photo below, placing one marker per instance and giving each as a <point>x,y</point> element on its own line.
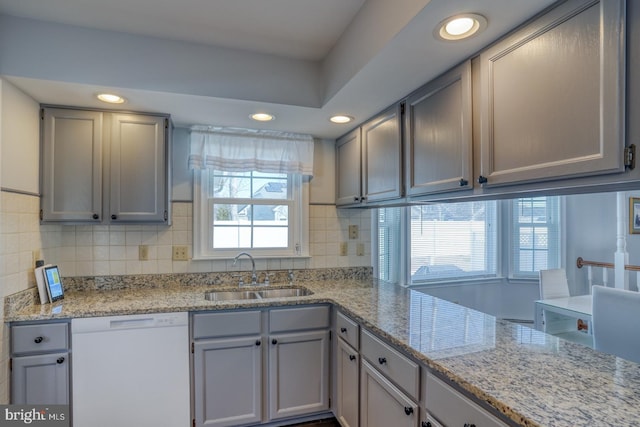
<point>285,292</point>
<point>256,294</point>
<point>230,295</point>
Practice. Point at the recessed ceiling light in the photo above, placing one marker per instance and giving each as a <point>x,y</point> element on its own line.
<point>460,27</point>
<point>110,98</point>
<point>262,117</point>
<point>340,119</point>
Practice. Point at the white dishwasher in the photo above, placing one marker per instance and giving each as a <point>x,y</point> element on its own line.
<point>131,371</point>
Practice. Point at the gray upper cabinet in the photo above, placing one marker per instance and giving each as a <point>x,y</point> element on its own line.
<point>438,134</point>
<point>71,165</point>
<point>369,161</point>
<point>348,169</point>
<point>382,156</point>
<point>552,96</point>
<point>103,167</point>
<point>138,168</point>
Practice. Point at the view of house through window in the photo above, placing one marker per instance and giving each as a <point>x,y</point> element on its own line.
<point>249,209</point>
<point>256,211</point>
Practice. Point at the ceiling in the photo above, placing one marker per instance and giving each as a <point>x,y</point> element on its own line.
<point>214,62</point>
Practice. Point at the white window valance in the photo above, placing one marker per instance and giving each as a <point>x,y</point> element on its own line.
<point>241,150</point>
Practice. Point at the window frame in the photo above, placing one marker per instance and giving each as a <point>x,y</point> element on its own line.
<point>503,256</point>
<point>554,209</point>
<point>298,220</point>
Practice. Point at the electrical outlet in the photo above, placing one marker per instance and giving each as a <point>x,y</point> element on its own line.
<point>180,253</point>
<point>360,249</point>
<point>353,231</point>
<point>143,253</point>
<point>343,248</point>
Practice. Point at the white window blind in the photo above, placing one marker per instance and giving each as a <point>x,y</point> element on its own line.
<point>244,150</point>
<point>453,241</point>
<point>388,262</point>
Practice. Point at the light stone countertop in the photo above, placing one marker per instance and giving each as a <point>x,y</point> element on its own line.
<point>534,379</point>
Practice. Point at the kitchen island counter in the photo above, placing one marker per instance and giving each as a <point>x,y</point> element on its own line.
<point>532,378</point>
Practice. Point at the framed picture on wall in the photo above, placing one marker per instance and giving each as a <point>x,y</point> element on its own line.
<point>634,215</point>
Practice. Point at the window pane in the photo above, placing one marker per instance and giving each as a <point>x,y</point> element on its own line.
<point>536,235</point>
<point>453,240</point>
<point>224,214</point>
<point>231,237</point>
<point>270,237</point>
<point>270,189</point>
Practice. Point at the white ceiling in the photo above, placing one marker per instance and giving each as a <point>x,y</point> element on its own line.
<point>216,61</point>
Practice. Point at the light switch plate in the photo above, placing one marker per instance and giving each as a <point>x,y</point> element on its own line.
<point>343,248</point>
<point>360,249</point>
<point>353,231</point>
<point>143,252</point>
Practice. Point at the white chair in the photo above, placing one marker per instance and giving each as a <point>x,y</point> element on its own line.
<point>614,322</point>
<point>553,284</point>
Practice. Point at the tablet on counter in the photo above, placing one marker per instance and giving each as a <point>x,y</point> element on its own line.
<point>53,283</point>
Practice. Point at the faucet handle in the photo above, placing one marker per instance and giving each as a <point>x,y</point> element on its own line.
<point>240,280</point>
<point>267,281</point>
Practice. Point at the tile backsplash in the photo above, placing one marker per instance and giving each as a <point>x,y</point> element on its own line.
<point>100,250</point>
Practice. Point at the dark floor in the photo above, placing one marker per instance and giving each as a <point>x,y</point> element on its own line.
<point>328,422</point>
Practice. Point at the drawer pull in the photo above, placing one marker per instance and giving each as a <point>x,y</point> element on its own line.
<point>38,340</point>
<point>352,357</point>
<point>343,330</point>
<point>274,341</point>
<point>382,360</point>
<point>409,410</point>
<point>258,342</point>
<point>60,360</point>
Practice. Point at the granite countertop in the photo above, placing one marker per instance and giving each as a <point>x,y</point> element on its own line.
<point>534,379</point>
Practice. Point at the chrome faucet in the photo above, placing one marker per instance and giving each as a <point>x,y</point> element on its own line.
<point>254,276</point>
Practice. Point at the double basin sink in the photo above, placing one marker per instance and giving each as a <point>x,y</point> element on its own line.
<point>256,294</point>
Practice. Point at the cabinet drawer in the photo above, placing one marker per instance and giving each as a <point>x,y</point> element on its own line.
<point>295,319</point>
<point>39,338</point>
<point>348,330</point>
<point>226,324</point>
<point>451,408</point>
<point>397,367</point>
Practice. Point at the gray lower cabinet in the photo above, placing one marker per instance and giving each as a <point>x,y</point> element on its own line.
<point>552,96</point>
<point>40,364</point>
<point>298,374</point>
<point>347,385</point>
<point>382,404</point>
<point>256,366</point>
<point>236,363</point>
<point>447,407</point>
<point>438,134</point>
<point>103,167</point>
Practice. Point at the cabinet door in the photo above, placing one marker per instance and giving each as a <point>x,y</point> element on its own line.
<point>382,404</point>
<point>453,409</point>
<point>71,179</point>
<point>40,379</point>
<point>298,374</point>
<point>382,156</point>
<point>138,169</point>
<point>228,381</point>
<point>438,134</point>
<point>348,169</point>
<point>552,96</point>
<point>347,385</point>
